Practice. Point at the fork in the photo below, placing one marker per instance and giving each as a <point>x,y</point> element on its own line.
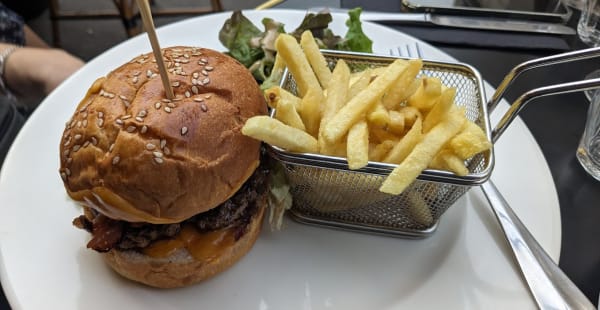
<point>550,286</point>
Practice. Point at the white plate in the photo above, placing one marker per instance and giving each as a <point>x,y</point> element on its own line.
<point>464,265</point>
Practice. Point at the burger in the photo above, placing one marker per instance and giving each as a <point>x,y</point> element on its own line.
<point>172,191</point>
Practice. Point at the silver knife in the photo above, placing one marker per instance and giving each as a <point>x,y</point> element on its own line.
<point>469,22</point>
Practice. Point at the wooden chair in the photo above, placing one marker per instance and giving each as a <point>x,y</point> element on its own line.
<point>126,10</point>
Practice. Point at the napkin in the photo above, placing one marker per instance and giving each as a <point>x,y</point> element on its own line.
<point>483,38</point>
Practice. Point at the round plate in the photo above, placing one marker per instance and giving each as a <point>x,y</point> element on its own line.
<point>466,264</point>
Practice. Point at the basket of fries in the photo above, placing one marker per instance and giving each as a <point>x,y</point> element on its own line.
<point>383,144</point>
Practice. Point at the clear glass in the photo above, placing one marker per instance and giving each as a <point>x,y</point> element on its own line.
<point>588,27</point>
<point>588,152</point>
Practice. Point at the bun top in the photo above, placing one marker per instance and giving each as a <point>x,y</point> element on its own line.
<point>133,155</point>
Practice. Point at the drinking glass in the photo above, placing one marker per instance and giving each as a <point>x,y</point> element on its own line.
<point>588,152</point>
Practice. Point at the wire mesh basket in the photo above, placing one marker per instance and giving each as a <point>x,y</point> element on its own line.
<point>326,192</point>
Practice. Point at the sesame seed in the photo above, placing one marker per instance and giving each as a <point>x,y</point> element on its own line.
<point>158,160</point>
<point>186,55</point>
<point>204,72</point>
<point>67,142</point>
<point>171,105</point>
<point>69,160</point>
<point>205,81</point>
<point>157,154</point>
<point>209,68</point>
<point>134,80</point>
<point>157,105</point>
<point>78,124</point>
<point>84,115</point>
<point>139,119</point>
<point>124,117</point>
<point>131,129</point>
<point>154,75</point>
<point>116,160</point>
<point>178,98</point>
<point>204,60</point>
<point>136,73</point>
<point>67,151</point>
<point>119,121</point>
<point>194,82</point>
<point>166,150</point>
<point>63,176</point>
<point>150,146</point>
<point>187,94</point>
<point>167,109</point>
<point>84,123</point>
<point>203,107</point>
<point>77,137</point>
<point>101,93</point>
<point>111,95</point>
<point>144,129</point>
<point>100,122</point>
<point>100,114</point>
<point>207,96</point>
<point>76,148</point>
<point>175,84</point>
<point>165,100</point>
<point>142,113</point>
<point>126,103</point>
<point>149,73</point>
<point>195,89</point>
<point>177,64</point>
<point>197,99</point>
<point>122,97</point>
<point>163,142</point>
<point>83,109</point>
<point>195,75</point>
<point>86,143</point>
<point>94,140</point>
<point>184,130</point>
<point>111,147</point>
<point>68,171</point>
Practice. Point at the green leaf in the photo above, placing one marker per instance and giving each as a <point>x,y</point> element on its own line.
<point>355,39</point>
<point>237,35</point>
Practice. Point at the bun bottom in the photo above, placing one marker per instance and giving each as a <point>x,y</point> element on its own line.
<point>181,269</point>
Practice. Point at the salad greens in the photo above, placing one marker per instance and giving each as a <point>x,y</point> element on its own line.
<point>255,48</point>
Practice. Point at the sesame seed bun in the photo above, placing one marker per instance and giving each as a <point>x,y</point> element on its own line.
<point>180,268</point>
<point>135,156</point>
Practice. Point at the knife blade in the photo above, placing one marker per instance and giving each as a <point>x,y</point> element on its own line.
<point>469,22</point>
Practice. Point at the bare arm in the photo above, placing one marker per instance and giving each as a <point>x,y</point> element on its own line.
<point>35,72</point>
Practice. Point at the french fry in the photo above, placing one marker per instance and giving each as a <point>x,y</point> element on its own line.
<point>286,113</point>
<point>411,114</point>
<point>379,151</point>
<point>315,58</point>
<point>310,112</point>
<point>470,141</point>
<point>291,52</point>
<point>357,150</point>
<point>279,134</point>
<point>276,93</point>
<point>396,124</point>
<point>363,101</point>
<point>359,83</point>
<point>440,109</point>
<point>401,150</point>
<point>447,160</point>
<point>379,115</point>
<point>335,100</point>
<point>423,153</point>
<point>427,93</point>
<point>402,88</point>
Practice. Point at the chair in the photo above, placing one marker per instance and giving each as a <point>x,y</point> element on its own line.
<point>126,11</point>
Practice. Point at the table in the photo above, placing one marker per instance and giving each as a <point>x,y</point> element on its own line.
<point>556,123</point>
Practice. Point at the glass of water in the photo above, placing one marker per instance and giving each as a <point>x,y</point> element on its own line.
<point>588,27</point>
<point>588,152</point>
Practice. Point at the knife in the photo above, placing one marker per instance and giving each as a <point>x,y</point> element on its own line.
<point>470,22</point>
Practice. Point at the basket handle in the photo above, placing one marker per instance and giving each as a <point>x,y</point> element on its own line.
<point>537,63</point>
<point>520,103</point>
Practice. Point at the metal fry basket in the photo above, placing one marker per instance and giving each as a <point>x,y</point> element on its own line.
<point>326,192</point>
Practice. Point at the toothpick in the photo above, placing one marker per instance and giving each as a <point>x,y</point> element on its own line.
<point>149,26</point>
<point>268,4</point>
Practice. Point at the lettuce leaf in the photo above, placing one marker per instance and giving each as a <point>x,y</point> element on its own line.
<point>237,34</point>
<point>355,39</point>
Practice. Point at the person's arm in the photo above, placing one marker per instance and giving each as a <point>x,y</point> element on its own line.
<point>31,71</point>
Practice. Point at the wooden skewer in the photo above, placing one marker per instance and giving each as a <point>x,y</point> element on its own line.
<point>149,26</point>
<point>268,4</point>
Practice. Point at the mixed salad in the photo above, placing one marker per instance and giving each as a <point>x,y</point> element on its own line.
<point>255,48</point>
